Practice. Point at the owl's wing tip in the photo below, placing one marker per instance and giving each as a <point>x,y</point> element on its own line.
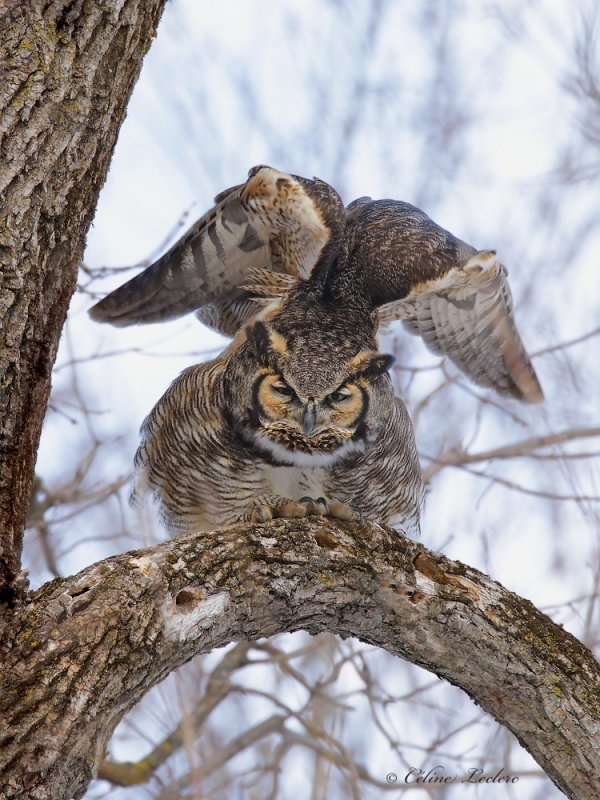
<point>98,313</point>
<point>111,313</point>
<point>518,368</point>
<point>106,313</point>
<point>534,399</point>
<point>534,393</point>
<point>530,391</point>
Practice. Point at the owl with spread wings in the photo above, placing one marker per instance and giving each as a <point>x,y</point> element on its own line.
<point>265,235</point>
<point>297,417</point>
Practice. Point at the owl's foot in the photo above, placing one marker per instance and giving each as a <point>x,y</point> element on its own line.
<point>305,507</point>
<point>331,508</point>
<point>264,512</point>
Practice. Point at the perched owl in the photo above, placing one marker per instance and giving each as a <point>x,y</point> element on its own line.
<point>296,417</point>
<point>265,235</point>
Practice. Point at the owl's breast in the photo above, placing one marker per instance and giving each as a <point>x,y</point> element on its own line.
<point>294,482</point>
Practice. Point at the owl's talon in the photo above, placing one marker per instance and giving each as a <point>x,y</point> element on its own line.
<point>323,506</point>
<point>311,506</point>
<point>312,509</point>
<point>260,514</point>
<point>342,512</point>
<point>293,509</point>
<point>304,507</point>
<point>315,508</point>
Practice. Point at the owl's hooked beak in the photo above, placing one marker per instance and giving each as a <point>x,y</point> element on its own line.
<point>308,418</point>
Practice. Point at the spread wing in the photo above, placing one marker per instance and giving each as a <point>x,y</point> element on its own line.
<point>467,315</point>
<point>455,297</point>
<point>274,221</point>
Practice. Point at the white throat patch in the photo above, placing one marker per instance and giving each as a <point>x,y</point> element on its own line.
<point>300,459</point>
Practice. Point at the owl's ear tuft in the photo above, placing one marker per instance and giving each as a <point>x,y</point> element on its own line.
<point>258,340</point>
<point>370,364</point>
<point>265,343</point>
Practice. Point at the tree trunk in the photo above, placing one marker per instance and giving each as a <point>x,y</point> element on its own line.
<point>87,648</point>
<point>68,69</point>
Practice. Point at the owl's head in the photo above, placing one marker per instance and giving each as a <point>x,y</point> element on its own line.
<point>316,378</point>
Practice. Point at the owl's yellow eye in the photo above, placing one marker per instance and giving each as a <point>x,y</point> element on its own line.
<point>339,395</point>
<point>283,389</point>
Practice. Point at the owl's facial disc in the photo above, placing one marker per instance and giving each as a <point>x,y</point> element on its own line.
<point>313,426</point>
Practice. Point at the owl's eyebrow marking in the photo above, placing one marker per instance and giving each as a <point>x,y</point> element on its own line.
<point>278,342</point>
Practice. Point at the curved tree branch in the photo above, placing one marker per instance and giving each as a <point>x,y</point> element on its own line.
<point>87,648</point>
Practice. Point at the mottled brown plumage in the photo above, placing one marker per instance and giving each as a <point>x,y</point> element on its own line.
<point>276,229</point>
<point>277,426</point>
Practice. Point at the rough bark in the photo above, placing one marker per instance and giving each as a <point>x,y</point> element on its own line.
<point>67,68</point>
<point>87,648</point>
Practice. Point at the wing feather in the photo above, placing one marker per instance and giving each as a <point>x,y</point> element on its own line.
<point>203,266</point>
<point>467,315</point>
<point>231,312</point>
<point>272,222</point>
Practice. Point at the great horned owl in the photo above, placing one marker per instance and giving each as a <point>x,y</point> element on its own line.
<point>275,229</point>
<point>296,417</point>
